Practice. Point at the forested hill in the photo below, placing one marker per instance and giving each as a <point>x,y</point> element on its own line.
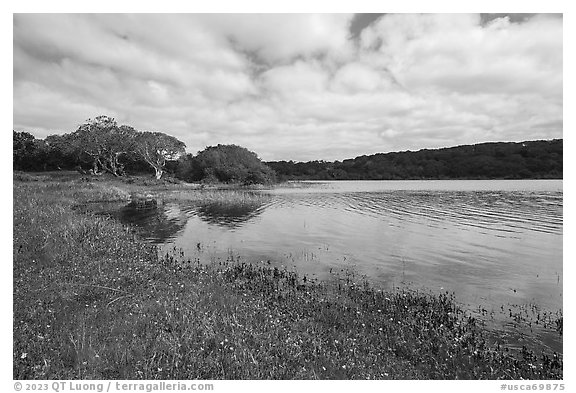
<point>499,160</point>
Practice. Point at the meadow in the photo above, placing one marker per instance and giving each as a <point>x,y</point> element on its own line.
<point>94,301</point>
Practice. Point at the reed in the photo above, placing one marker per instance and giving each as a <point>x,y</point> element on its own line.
<point>221,196</point>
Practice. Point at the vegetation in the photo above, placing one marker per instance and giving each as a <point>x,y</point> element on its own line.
<point>155,148</point>
<point>525,160</point>
<point>105,146</point>
<point>31,154</point>
<point>91,300</point>
<point>225,164</point>
<point>101,144</point>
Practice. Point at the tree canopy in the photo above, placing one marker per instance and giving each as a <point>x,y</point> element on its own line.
<point>155,148</point>
<point>105,146</point>
<point>225,164</point>
<point>104,142</point>
<point>498,160</point>
<point>23,144</point>
<point>100,143</point>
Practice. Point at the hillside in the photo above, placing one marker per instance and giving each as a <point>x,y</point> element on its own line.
<point>497,160</point>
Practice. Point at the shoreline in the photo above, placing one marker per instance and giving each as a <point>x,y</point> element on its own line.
<point>94,301</point>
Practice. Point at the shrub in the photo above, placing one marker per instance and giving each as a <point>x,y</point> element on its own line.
<point>225,164</point>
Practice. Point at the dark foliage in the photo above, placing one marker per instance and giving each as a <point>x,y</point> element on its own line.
<point>31,154</point>
<point>98,145</point>
<point>25,148</point>
<point>524,160</point>
<point>225,164</point>
<point>235,164</point>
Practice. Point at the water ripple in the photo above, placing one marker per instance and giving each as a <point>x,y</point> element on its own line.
<point>492,211</point>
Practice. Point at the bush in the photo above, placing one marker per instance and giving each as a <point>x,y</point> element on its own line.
<point>225,164</point>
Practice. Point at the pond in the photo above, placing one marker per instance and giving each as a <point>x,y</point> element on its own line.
<point>496,244</point>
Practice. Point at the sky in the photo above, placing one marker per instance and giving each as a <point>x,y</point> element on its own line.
<point>294,86</point>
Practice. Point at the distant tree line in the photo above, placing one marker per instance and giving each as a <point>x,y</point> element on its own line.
<point>500,160</point>
<point>101,146</point>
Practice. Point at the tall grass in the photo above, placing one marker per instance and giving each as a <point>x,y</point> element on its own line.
<point>216,196</point>
<point>93,301</point>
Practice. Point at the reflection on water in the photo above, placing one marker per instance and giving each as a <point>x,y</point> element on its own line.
<point>165,222</point>
<point>228,215</point>
<point>156,223</point>
<point>496,244</point>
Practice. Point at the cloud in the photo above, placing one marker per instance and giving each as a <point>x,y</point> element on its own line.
<point>356,77</point>
<point>456,52</point>
<point>279,38</point>
<point>294,86</point>
<point>295,78</point>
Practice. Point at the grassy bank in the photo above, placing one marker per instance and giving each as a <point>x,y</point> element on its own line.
<point>91,300</point>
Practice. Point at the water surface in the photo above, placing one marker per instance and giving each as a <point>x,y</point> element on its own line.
<point>497,244</point>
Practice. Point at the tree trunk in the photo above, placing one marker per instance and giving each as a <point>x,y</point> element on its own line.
<point>159,173</point>
<point>112,164</point>
<point>95,170</point>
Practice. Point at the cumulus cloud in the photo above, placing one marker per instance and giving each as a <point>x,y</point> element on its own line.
<point>457,53</point>
<point>356,77</point>
<point>294,86</point>
<point>298,77</point>
<point>278,38</point>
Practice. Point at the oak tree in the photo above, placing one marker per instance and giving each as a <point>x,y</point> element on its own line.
<point>105,142</point>
<point>156,148</point>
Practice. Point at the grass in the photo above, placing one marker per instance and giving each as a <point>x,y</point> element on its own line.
<point>222,197</point>
<point>93,301</point>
